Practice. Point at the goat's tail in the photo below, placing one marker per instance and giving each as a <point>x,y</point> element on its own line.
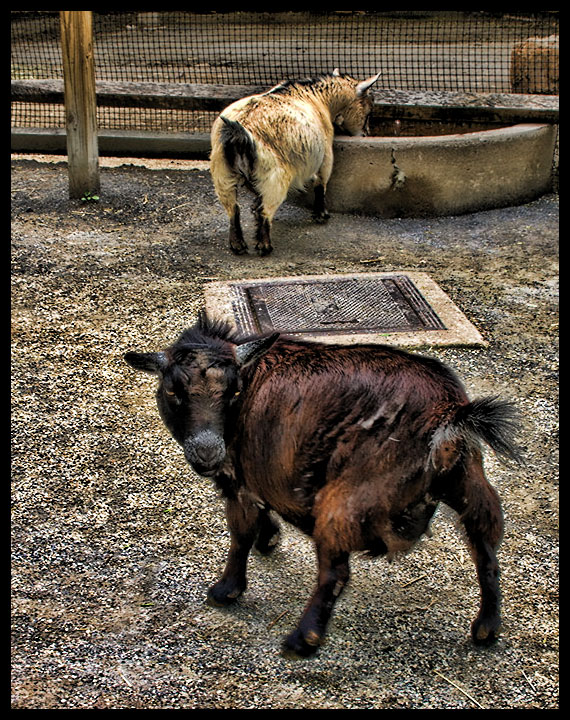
<point>488,419</point>
<point>239,147</point>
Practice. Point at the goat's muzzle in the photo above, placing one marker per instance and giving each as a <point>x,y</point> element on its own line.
<point>205,452</point>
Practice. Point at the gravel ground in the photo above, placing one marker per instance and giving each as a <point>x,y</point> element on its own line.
<point>115,540</point>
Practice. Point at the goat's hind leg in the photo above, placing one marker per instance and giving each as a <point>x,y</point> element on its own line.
<point>237,243</point>
<point>225,184</point>
<point>268,198</point>
<point>480,513</point>
<point>263,244</point>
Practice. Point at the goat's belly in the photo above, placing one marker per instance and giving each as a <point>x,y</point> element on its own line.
<point>401,530</point>
<point>369,517</point>
<point>304,521</point>
<point>291,501</point>
<point>305,160</point>
<point>295,508</point>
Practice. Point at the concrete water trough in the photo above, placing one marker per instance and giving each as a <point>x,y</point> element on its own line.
<point>444,174</point>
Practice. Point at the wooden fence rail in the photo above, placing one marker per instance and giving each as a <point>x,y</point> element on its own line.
<point>388,104</point>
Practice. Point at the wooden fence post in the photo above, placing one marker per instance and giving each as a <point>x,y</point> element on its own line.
<point>80,102</point>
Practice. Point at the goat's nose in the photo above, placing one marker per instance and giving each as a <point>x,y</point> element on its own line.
<point>205,451</point>
<point>207,454</point>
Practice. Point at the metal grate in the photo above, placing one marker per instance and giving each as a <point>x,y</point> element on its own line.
<point>336,306</point>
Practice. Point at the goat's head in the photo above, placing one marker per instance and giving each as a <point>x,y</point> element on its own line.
<point>200,379</point>
<point>352,119</point>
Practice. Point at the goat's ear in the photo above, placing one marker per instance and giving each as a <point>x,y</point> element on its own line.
<point>365,85</point>
<point>147,362</point>
<point>339,120</point>
<point>251,351</point>
<point>336,72</point>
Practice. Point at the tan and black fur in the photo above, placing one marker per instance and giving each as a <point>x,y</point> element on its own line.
<point>283,139</point>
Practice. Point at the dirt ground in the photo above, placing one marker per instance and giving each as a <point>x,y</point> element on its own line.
<point>115,540</point>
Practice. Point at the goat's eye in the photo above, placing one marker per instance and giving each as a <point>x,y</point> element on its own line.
<point>234,396</point>
<point>171,395</point>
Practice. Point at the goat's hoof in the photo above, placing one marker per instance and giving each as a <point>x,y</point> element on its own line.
<point>268,538</point>
<point>239,249</point>
<point>484,631</point>
<point>321,218</point>
<point>296,645</point>
<point>223,594</point>
<point>263,250</point>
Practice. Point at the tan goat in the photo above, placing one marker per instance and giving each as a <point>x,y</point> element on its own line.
<point>283,139</point>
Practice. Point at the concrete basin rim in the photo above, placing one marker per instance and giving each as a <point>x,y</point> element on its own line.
<point>511,132</point>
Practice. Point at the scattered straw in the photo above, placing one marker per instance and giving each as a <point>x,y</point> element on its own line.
<point>276,620</point>
<point>461,690</point>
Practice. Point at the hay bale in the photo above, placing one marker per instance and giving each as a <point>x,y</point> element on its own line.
<point>535,66</point>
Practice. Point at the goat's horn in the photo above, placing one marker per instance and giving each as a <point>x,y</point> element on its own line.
<point>363,86</point>
<point>252,350</point>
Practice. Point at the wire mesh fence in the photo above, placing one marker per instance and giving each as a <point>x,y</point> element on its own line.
<point>479,52</point>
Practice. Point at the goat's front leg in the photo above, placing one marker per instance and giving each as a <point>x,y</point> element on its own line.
<point>269,533</point>
<point>333,576</point>
<point>243,522</point>
<point>320,213</point>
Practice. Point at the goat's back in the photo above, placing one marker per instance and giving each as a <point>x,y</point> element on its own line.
<point>290,129</point>
<point>311,409</point>
<point>341,375</point>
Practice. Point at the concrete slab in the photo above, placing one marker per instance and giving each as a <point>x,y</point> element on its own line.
<point>229,301</point>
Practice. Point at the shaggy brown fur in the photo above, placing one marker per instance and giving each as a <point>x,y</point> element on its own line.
<point>355,445</point>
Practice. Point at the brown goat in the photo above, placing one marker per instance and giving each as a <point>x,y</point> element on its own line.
<point>354,445</point>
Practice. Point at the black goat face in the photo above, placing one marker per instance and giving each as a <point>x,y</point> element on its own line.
<point>197,392</point>
<point>198,411</point>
